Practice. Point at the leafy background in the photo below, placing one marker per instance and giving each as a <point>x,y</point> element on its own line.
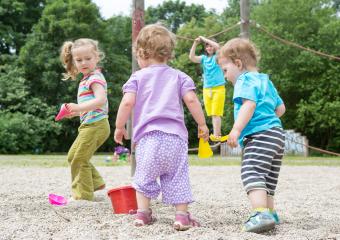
<point>32,32</point>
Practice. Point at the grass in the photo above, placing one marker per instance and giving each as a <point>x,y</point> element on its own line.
<point>105,160</point>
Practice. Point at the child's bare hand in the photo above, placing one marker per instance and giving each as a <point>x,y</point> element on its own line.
<point>233,138</point>
<point>203,132</point>
<point>198,40</point>
<point>119,134</point>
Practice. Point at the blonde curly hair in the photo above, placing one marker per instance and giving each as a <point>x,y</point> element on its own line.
<point>242,49</point>
<point>154,41</point>
<point>67,58</point>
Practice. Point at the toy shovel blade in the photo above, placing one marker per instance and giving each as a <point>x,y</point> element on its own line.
<point>204,150</point>
<point>62,113</point>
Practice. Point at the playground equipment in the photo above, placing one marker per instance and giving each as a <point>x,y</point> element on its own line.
<point>121,153</point>
<point>204,149</point>
<point>57,200</point>
<point>123,199</point>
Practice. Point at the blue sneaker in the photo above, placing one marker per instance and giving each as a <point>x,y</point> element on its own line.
<point>259,222</point>
<point>276,217</point>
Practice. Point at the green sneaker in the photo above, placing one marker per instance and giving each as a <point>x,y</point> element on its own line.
<point>275,216</point>
<point>259,222</point>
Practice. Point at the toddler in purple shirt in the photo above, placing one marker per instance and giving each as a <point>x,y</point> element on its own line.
<point>156,94</point>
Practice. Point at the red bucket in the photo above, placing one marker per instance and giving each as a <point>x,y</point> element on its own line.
<point>123,199</point>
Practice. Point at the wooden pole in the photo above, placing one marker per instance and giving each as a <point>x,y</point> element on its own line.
<point>137,25</point>
<point>245,12</point>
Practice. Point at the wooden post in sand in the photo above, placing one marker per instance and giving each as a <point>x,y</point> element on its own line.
<point>137,25</point>
<point>245,12</point>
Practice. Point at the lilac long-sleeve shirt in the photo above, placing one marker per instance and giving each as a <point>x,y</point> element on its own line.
<point>159,91</point>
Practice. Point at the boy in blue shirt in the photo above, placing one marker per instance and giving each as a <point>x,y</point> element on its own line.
<point>257,128</point>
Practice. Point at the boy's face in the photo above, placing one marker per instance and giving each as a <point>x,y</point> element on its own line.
<point>230,69</point>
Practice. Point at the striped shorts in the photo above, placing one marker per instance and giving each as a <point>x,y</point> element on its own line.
<point>262,159</point>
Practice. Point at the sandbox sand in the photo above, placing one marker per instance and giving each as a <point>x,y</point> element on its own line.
<point>308,202</point>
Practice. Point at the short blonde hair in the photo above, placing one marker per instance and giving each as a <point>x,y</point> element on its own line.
<point>154,41</point>
<point>67,59</point>
<point>242,49</point>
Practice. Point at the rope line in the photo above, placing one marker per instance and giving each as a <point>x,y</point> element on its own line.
<point>315,148</point>
<point>287,42</point>
<point>289,139</point>
<point>225,30</point>
<point>214,35</point>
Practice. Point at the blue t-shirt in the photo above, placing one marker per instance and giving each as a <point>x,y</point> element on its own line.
<point>257,87</point>
<point>212,72</point>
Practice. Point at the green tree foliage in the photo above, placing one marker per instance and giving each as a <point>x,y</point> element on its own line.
<point>25,121</point>
<point>69,20</point>
<point>17,18</point>
<point>174,13</point>
<point>32,91</point>
<point>308,83</point>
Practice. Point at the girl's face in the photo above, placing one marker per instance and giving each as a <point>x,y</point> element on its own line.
<point>209,49</point>
<point>85,59</point>
<point>230,69</point>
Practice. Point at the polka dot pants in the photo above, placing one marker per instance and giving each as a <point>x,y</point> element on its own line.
<point>164,156</point>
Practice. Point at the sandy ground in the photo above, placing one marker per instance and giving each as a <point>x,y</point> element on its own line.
<point>308,201</point>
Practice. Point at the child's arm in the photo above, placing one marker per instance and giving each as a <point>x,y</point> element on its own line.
<point>99,100</point>
<point>191,101</point>
<point>210,42</point>
<point>280,110</point>
<point>124,111</point>
<point>244,115</point>
<point>192,55</point>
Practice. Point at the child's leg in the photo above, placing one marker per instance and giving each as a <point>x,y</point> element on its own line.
<point>144,213</point>
<point>216,121</point>
<point>217,108</point>
<point>183,219</point>
<point>259,176</point>
<point>85,178</point>
<point>258,198</point>
<point>142,201</point>
<point>145,178</point>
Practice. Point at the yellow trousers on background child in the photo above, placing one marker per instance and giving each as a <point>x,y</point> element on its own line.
<point>85,177</point>
<point>214,100</point>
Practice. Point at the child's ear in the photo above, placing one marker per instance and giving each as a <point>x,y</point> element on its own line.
<point>239,64</point>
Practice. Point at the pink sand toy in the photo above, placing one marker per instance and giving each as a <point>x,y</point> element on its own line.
<point>63,112</point>
<point>57,200</point>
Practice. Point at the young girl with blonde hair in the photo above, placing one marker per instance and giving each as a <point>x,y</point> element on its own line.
<point>82,57</point>
<point>156,93</point>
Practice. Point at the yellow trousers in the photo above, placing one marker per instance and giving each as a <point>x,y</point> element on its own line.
<point>214,100</point>
<point>85,177</point>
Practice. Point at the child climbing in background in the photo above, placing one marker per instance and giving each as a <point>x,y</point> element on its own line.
<point>82,56</point>
<point>156,93</point>
<point>257,128</point>
<point>213,84</point>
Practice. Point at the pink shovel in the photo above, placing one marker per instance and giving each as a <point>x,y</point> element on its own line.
<point>63,112</point>
<point>57,200</point>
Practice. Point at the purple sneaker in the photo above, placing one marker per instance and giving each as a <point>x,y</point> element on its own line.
<point>184,222</point>
<point>143,218</point>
